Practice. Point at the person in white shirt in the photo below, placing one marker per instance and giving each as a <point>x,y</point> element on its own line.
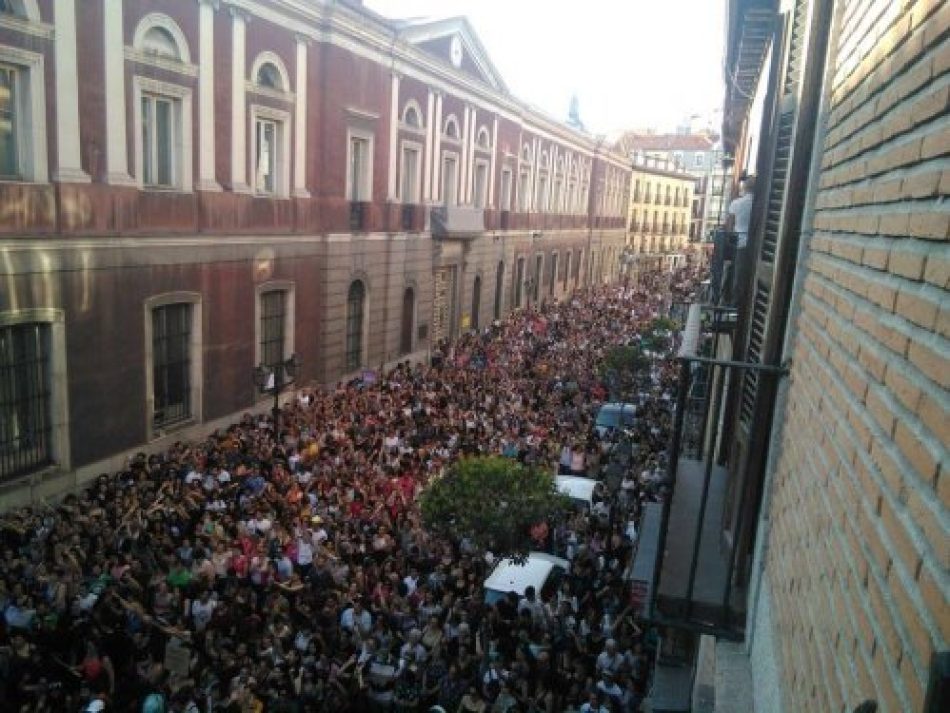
<point>740,215</point>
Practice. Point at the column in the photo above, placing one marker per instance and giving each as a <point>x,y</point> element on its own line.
<point>393,135</point>
<point>472,138</point>
<point>117,155</point>
<point>207,180</point>
<point>300,122</point>
<point>238,108</point>
<point>463,157</point>
<point>437,147</point>
<point>430,136</point>
<point>494,161</point>
<point>68,157</point>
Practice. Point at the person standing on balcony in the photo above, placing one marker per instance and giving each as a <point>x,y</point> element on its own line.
<point>740,213</point>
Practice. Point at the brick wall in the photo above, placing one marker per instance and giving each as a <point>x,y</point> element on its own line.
<point>858,549</point>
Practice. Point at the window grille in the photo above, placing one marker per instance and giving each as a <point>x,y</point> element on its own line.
<point>273,318</point>
<point>25,399</point>
<point>171,363</point>
<point>354,325</point>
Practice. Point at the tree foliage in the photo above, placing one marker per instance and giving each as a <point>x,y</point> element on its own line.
<point>493,502</point>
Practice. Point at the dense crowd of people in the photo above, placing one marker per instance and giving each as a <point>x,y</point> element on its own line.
<point>290,571</point>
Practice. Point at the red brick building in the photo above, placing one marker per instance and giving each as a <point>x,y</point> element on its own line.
<point>191,189</point>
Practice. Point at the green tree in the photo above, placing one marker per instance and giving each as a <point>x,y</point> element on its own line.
<point>492,501</point>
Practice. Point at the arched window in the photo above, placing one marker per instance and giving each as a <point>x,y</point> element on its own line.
<point>476,300</point>
<point>159,41</point>
<point>451,129</point>
<point>159,36</point>
<point>355,304</point>
<point>411,116</point>
<point>483,140</point>
<point>499,288</point>
<point>268,76</point>
<point>408,320</point>
<point>526,153</point>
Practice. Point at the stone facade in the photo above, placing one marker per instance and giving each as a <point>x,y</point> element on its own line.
<point>312,146</point>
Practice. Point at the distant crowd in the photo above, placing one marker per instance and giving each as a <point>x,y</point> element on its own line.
<point>259,571</point>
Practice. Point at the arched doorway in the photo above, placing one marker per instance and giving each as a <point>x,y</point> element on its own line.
<point>499,288</point>
<point>408,320</point>
<point>476,300</point>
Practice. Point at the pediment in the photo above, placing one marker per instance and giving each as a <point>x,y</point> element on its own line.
<point>454,42</point>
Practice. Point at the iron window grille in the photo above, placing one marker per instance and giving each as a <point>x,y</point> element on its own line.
<point>355,301</point>
<point>171,365</point>
<point>273,319</point>
<point>25,399</point>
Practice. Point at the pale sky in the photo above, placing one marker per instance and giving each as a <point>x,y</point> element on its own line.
<point>632,63</point>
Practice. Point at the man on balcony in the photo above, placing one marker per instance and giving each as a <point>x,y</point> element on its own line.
<point>740,212</point>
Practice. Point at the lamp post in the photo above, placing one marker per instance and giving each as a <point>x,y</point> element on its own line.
<point>272,378</point>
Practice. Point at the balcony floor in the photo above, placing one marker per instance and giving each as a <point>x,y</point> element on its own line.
<point>713,560</point>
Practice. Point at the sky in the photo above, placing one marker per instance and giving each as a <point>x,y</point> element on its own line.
<point>633,64</point>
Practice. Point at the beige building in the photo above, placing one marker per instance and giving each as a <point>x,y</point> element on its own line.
<point>658,216</point>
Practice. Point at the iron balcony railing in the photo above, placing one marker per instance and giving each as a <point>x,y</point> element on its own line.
<point>695,585</point>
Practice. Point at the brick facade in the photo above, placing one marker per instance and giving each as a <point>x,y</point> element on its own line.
<point>858,555</point>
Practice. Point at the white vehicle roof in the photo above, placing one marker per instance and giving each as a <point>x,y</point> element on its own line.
<point>576,487</point>
<point>510,577</point>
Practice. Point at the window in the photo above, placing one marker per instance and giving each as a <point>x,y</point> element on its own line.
<point>449,180</point>
<point>538,276</point>
<point>408,320</point>
<point>542,192</point>
<point>268,76</point>
<point>159,141</point>
<point>523,192</point>
<point>358,177</point>
<point>481,184</point>
<point>273,308</point>
<point>567,267</point>
<point>159,42</point>
<point>476,301</point>
<point>411,117</point>
<point>519,282</point>
<point>265,158</point>
<point>499,288</point>
<point>409,188</point>
<point>451,130</point>
<point>483,141</point>
<point>25,399</point>
<point>171,364</point>
<point>506,189</point>
<point>553,275</point>
<point>10,152</point>
<point>355,303</point>
<point>698,160</point>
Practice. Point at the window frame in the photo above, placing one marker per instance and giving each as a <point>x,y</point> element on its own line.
<point>284,130</point>
<point>406,147</point>
<point>290,309</point>
<point>365,194</point>
<point>30,112</point>
<point>456,159</point>
<point>161,372</point>
<point>56,456</point>
<point>482,185</point>
<point>506,188</point>
<point>152,150</point>
<point>155,431</point>
<point>183,159</point>
<point>362,352</point>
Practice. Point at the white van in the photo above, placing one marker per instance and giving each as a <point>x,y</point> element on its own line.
<point>581,492</point>
<point>538,571</point>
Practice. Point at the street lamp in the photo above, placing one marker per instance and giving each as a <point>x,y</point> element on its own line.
<point>272,378</point>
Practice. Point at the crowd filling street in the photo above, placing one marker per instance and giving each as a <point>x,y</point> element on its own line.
<point>255,571</point>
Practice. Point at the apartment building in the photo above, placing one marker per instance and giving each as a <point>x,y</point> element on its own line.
<point>661,199</point>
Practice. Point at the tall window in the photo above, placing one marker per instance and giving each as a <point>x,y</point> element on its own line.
<point>9,122</point>
<point>524,198</point>
<point>567,267</point>
<point>542,193</point>
<point>499,288</point>
<point>158,141</point>
<point>359,188</point>
<point>538,276</point>
<point>410,175</point>
<point>273,325</point>
<point>171,363</point>
<point>449,180</point>
<point>553,275</point>
<point>266,154</point>
<point>506,189</point>
<point>481,184</point>
<point>25,399</point>
<point>355,303</point>
<point>408,320</point>
<point>519,282</point>
<point>476,301</point>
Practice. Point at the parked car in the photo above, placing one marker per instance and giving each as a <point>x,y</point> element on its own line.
<point>612,416</point>
<point>541,571</point>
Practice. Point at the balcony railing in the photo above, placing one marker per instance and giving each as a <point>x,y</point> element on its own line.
<point>457,221</point>
<point>696,583</point>
<point>358,214</point>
